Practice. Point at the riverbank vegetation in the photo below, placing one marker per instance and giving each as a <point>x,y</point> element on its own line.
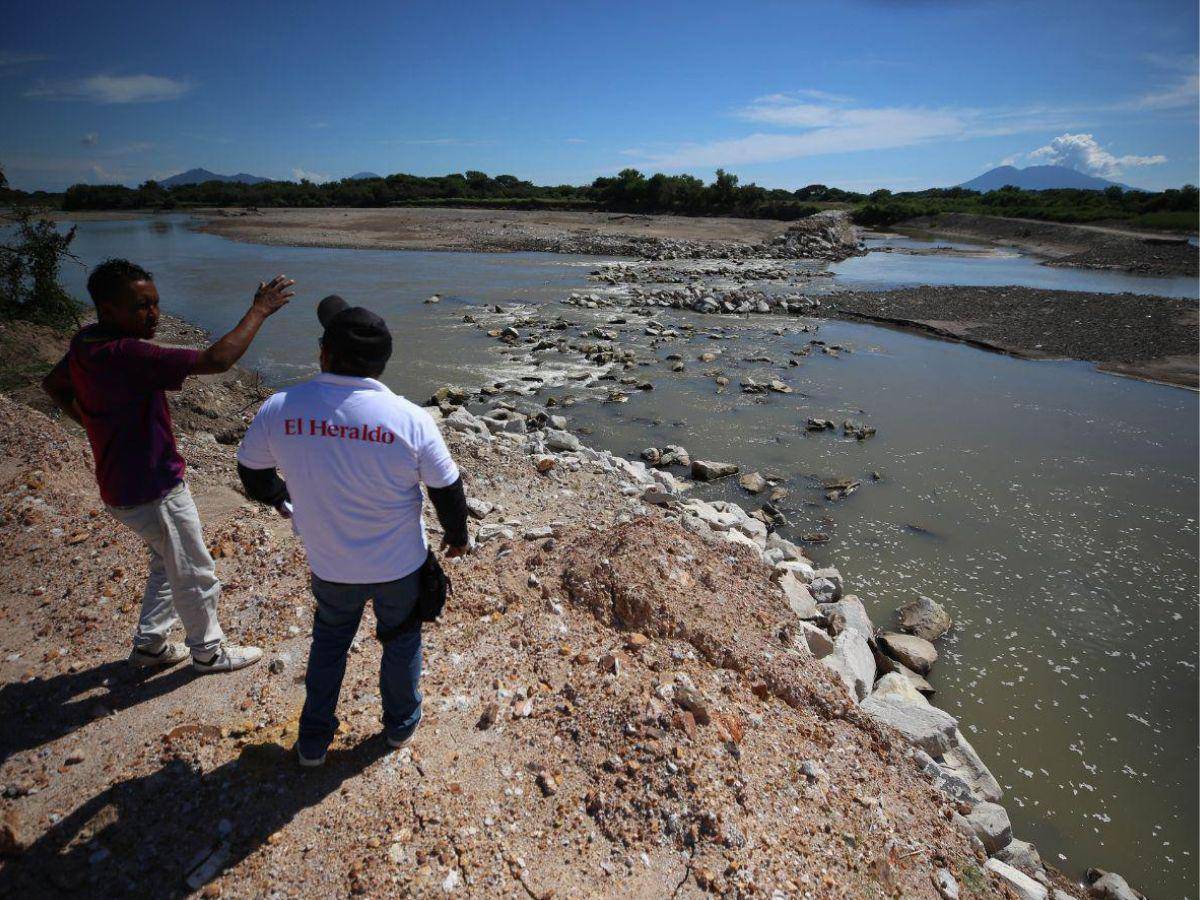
<point>633,192</point>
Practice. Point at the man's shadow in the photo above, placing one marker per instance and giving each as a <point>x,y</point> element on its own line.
<point>169,833</point>
<point>44,709</point>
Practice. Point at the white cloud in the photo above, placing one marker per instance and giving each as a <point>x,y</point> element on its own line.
<point>1082,153</point>
<point>816,128</point>
<point>113,89</point>
<point>9,58</point>
<point>576,141</point>
<point>91,139</point>
<point>1183,94</point>
<point>302,174</point>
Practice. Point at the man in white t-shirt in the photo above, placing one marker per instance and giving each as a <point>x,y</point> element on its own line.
<point>355,456</point>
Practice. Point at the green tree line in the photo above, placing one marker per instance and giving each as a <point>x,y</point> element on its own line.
<point>632,191</point>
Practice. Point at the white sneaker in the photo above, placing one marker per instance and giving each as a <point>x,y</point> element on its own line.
<point>227,658</point>
<point>169,655</point>
<point>307,763</point>
<point>397,743</point>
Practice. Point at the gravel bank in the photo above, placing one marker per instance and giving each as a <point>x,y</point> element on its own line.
<point>1071,246</point>
<point>481,230</point>
<point>1147,337</point>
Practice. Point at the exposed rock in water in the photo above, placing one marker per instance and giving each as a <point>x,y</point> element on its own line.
<point>753,482</point>
<point>914,652</point>
<point>925,618</point>
<point>1111,886</point>
<point>827,235</point>
<point>707,470</point>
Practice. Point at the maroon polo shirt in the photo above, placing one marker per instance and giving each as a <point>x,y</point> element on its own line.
<point>119,384</point>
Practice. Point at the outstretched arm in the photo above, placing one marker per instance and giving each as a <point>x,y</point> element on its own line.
<point>58,385</point>
<point>268,299</point>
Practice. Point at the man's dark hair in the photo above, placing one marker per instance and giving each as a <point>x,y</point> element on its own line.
<point>112,276</point>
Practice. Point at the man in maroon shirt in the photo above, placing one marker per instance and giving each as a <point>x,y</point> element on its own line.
<point>113,382</point>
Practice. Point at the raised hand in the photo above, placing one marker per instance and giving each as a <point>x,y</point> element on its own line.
<point>272,295</point>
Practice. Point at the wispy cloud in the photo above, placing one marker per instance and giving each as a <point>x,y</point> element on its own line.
<point>817,128</point>
<point>91,139</point>
<point>1184,93</point>
<point>1082,153</point>
<point>437,142</point>
<point>576,141</point>
<point>113,89</point>
<point>11,58</point>
<point>815,123</point>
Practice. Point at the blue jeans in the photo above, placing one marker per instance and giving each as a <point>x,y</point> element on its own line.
<point>339,610</point>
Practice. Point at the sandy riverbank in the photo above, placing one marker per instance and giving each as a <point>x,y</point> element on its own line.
<point>1154,338</point>
<point>595,723</point>
<point>480,230</point>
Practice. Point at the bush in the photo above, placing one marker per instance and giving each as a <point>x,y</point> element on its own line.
<point>29,265</point>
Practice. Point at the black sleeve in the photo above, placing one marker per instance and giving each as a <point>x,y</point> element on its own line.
<point>263,485</point>
<point>450,503</point>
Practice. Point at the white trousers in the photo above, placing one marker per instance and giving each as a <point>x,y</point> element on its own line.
<point>183,583</point>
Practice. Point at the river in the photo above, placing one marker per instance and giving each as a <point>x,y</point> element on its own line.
<point>1051,508</point>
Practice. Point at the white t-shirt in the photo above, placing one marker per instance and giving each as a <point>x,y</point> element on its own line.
<point>355,456</point>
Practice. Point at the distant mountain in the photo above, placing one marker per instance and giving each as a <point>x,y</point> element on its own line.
<point>362,176</point>
<point>199,176</point>
<point>1039,178</point>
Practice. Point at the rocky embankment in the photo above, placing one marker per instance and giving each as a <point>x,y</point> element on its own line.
<point>633,692</point>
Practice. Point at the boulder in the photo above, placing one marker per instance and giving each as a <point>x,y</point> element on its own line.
<point>1111,886</point>
<point>820,644</point>
<point>1022,885</point>
<point>753,482</point>
<point>918,681</point>
<point>707,470</point>
<point>914,652</point>
<point>461,420</point>
<point>823,589</point>
<point>925,618</point>
<point>896,685</point>
<point>848,613</point>
<point>925,726</point>
<point>853,662</point>
<point>947,887</point>
<point>798,598</point>
<point>561,440</point>
<point>831,574</point>
<point>965,763</point>
<point>990,823</point>
<point>1021,855</point>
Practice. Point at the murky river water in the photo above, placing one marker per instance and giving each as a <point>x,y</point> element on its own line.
<point>1051,508</point>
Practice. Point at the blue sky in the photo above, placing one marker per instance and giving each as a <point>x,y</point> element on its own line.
<point>904,94</point>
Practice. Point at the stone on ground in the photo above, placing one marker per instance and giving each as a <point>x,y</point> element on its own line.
<point>991,825</point>
<point>1021,884</point>
<point>965,763</point>
<point>896,685</point>
<point>797,596</point>
<point>853,662</point>
<point>925,726</point>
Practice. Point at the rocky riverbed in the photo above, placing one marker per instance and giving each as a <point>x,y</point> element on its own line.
<point>633,692</point>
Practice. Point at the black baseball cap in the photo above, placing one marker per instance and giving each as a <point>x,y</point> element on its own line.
<point>354,334</point>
